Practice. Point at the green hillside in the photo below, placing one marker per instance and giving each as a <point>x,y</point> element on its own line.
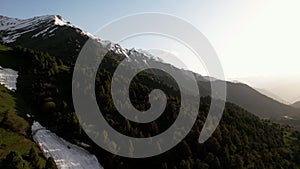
<point>15,134</point>
<point>17,149</point>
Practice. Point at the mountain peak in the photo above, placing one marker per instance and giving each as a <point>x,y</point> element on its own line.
<point>14,28</point>
<point>58,20</point>
<point>7,23</point>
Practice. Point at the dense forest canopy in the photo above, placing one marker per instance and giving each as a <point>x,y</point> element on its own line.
<point>242,140</point>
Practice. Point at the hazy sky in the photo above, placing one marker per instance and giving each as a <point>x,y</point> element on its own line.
<point>252,38</point>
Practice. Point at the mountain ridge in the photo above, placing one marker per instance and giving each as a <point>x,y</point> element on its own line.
<point>272,95</point>
<point>67,41</point>
<point>296,105</point>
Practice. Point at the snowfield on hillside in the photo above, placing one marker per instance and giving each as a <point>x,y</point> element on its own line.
<point>8,78</point>
<point>66,155</point>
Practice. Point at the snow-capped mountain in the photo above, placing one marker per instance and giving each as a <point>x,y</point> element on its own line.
<point>14,28</point>
<point>49,33</point>
<point>51,28</point>
<point>8,78</point>
<point>53,34</point>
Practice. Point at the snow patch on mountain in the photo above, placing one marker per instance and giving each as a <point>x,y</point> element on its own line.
<point>42,32</point>
<point>87,34</point>
<point>58,20</point>
<point>140,55</point>
<point>66,155</point>
<point>118,49</point>
<point>8,78</point>
<point>14,28</point>
<point>6,23</point>
<point>46,26</point>
<point>52,30</point>
<point>12,24</point>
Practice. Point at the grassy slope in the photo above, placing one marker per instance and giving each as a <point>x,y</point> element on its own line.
<point>14,129</point>
<point>14,134</point>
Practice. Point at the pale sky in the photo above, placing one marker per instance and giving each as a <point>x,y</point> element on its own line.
<point>260,38</point>
<point>258,43</point>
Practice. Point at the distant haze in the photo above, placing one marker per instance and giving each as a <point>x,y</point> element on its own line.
<point>285,87</point>
<point>281,87</point>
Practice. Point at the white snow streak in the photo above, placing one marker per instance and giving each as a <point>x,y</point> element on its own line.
<point>66,155</point>
<point>58,20</point>
<point>15,27</point>
<point>8,78</point>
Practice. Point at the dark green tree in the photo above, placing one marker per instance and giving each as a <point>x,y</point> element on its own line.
<point>34,159</point>
<point>14,161</point>
<point>50,164</point>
